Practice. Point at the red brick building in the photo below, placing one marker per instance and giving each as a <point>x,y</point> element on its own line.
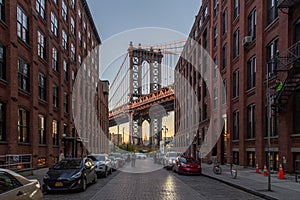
<point>42,45</point>
<point>249,41</point>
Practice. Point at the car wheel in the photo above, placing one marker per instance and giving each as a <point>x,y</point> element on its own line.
<point>105,173</point>
<point>95,178</point>
<point>83,184</point>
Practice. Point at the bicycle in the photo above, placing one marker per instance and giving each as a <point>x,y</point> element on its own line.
<point>233,170</point>
<point>217,168</point>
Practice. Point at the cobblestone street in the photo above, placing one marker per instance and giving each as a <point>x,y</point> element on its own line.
<point>160,184</point>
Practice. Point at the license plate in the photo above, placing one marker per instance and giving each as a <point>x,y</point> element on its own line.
<point>59,184</point>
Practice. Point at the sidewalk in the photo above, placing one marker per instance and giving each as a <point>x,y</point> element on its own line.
<point>257,184</point>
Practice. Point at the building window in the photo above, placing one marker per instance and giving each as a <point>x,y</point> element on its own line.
<point>236,120</point>
<point>251,121</point>
<point>235,83</point>
<point>72,26</point>
<point>54,24</point>
<point>23,126</point>
<point>64,11</point>
<point>42,87</point>
<point>56,2</point>
<point>216,7</point>
<point>215,101</point>
<point>66,104</point>
<point>205,12</point>
<point>40,7</point>
<point>236,9</point>
<point>2,10</point>
<point>41,45</point>
<point>79,39</point>
<point>205,39</point>
<point>205,111</point>
<point>55,133</point>
<point>54,59</point>
<point>224,92</point>
<point>216,36</point>
<point>64,39</point>
<point>252,24</point>
<point>2,122</point>
<point>272,49</point>
<point>66,74</point>
<point>23,75</point>
<point>224,56</point>
<point>42,131</point>
<point>84,27</point>
<point>272,10</point>
<point>72,3</point>
<point>22,25</point>
<point>224,21</point>
<point>72,52</point>
<point>79,15</point>
<point>251,159</point>
<point>2,62</point>
<point>216,67</point>
<point>251,70</point>
<point>235,43</point>
<point>55,96</point>
<point>89,35</point>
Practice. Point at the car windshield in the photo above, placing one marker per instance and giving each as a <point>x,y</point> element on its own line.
<point>187,160</point>
<point>117,155</point>
<point>68,164</point>
<point>97,157</point>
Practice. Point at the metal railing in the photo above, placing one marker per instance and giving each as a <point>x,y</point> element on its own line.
<point>16,161</point>
<point>288,57</point>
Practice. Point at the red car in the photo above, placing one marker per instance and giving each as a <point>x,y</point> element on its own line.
<point>187,165</point>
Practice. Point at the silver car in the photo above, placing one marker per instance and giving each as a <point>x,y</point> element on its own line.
<point>15,186</point>
<point>169,160</point>
<point>103,164</point>
<point>114,163</point>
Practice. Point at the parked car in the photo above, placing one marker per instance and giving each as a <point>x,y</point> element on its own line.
<point>187,165</point>
<point>114,163</point>
<point>70,174</point>
<point>140,156</point>
<point>169,159</point>
<point>15,186</point>
<point>119,157</point>
<point>103,164</point>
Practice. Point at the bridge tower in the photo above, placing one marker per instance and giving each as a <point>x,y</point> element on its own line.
<point>137,57</point>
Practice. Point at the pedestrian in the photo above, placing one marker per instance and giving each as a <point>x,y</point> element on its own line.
<point>278,87</point>
<point>133,160</point>
<point>61,156</point>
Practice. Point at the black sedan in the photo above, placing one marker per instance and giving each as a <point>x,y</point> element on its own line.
<point>70,174</point>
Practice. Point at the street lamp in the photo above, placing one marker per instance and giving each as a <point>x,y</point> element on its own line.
<point>268,125</point>
<point>166,130</point>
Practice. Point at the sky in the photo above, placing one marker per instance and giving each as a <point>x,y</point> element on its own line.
<point>114,16</point>
<point>120,21</point>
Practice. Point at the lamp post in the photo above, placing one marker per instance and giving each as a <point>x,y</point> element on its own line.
<point>166,130</point>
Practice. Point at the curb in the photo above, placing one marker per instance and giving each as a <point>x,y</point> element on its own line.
<point>241,188</point>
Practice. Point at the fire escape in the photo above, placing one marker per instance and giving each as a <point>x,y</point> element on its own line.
<point>288,62</point>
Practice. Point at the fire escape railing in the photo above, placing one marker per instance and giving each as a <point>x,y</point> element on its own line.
<point>287,3</point>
